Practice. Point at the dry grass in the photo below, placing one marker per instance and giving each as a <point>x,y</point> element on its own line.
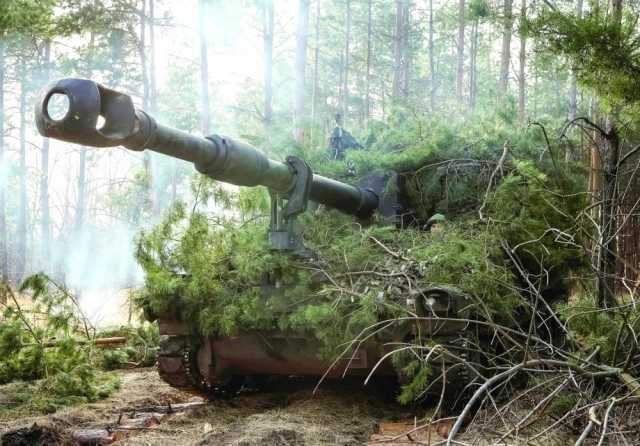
<point>343,413</point>
<point>286,414</point>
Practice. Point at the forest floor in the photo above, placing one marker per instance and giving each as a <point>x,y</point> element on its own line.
<point>342,413</point>
<point>287,414</point>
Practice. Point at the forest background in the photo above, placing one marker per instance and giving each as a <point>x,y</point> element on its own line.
<point>275,73</point>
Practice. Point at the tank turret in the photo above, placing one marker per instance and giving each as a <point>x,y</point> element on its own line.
<point>84,112</point>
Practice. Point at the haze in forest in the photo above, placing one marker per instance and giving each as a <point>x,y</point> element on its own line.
<point>276,74</point>
<point>96,258</point>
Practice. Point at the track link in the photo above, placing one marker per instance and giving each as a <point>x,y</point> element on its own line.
<point>178,367</point>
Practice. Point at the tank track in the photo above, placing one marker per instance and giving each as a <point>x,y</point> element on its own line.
<point>457,380</point>
<point>178,367</point>
<point>462,377</point>
<point>175,365</point>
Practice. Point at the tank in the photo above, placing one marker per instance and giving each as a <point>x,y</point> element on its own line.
<point>213,365</point>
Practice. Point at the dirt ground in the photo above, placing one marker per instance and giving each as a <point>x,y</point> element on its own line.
<point>287,414</point>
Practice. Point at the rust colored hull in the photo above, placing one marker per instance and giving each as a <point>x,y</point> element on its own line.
<point>246,355</point>
<point>204,364</point>
<point>214,361</point>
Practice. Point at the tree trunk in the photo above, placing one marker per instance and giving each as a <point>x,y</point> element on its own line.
<point>608,223</point>
<point>268,29</point>
<point>82,191</point>
<point>345,85</point>
<point>473,69</point>
<point>398,51</point>
<point>4,257</point>
<point>45,222</point>
<point>82,165</point>
<point>401,51</point>
<point>406,53</point>
<point>616,6</point>
<point>153,93</point>
<point>205,116</point>
<point>573,84</point>
<point>340,79</point>
<point>143,56</point>
<point>505,55</point>
<point>432,62</point>
<point>367,97</point>
<point>608,253</point>
<point>316,64</point>
<point>573,97</point>
<point>523,62</point>
<point>302,35</point>
<point>21,257</point>
<point>573,93</point>
<point>148,102</point>
<point>595,174</point>
<point>460,55</point>
<point>154,192</point>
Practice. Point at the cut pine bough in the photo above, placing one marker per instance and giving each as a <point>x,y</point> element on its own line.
<point>147,417</point>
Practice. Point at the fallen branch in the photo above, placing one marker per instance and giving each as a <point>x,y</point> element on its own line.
<point>151,417</point>
<point>169,408</point>
<point>593,421</point>
<point>96,436</point>
<point>512,371</point>
<point>392,253</point>
<point>503,157</point>
<point>606,421</point>
<point>631,383</point>
<point>112,342</point>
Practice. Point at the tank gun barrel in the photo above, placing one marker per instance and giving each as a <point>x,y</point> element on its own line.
<point>93,115</point>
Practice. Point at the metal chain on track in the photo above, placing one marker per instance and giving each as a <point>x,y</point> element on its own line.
<point>178,367</point>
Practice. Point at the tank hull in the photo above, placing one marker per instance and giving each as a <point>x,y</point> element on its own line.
<point>212,361</point>
<point>212,366</point>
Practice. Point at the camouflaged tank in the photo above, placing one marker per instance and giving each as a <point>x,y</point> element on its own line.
<point>213,365</point>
